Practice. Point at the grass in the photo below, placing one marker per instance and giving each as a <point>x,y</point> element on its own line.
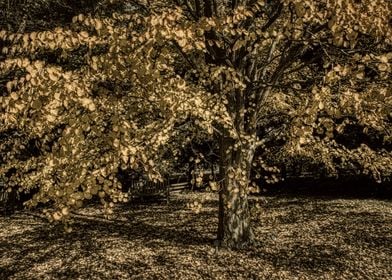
<point>298,238</point>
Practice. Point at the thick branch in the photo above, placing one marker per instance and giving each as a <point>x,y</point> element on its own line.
<point>209,8</point>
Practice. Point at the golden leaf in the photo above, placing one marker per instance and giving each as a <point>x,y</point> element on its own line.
<point>65,211</point>
<point>84,34</point>
<point>57,216</point>
<point>91,106</point>
<point>57,95</point>
<point>214,186</point>
<point>80,17</point>
<point>98,24</point>
<point>9,86</point>
<point>182,43</point>
<point>383,67</point>
<point>53,77</point>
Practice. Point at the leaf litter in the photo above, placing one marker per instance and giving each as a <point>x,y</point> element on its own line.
<point>297,238</point>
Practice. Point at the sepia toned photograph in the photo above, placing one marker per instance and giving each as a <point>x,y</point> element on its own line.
<point>196,139</point>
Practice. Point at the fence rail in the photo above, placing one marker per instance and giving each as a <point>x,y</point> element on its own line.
<point>144,188</point>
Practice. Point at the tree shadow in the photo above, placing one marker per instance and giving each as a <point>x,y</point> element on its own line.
<point>165,232</point>
<point>305,257</point>
<point>43,244</point>
<point>298,208</point>
<point>367,229</point>
<point>343,226</point>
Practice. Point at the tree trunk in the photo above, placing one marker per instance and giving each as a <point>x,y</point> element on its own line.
<point>234,227</point>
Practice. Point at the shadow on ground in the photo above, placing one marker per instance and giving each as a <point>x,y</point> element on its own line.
<point>298,237</point>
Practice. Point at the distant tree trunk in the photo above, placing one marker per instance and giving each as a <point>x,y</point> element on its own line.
<point>234,227</point>
<point>192,176</point>
<point>9,201</point>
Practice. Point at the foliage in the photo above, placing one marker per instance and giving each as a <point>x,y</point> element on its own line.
<point>221,67</point>
<point>32,15</point>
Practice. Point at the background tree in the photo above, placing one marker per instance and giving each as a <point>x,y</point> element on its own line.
<point>222,66</point>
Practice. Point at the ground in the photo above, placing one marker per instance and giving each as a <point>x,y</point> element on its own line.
<point>298,238</point>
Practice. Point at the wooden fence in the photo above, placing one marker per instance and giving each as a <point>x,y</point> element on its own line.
<point>142,188</point>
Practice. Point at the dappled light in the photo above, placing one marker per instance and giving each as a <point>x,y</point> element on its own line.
<point>195,139</point>
<point>296,237</point>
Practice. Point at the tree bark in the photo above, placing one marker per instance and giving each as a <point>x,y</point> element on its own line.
<point>234,226</point>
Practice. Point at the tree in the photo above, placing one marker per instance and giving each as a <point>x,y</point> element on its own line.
<point>220,66</point>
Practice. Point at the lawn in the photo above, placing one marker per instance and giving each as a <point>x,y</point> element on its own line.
<point>298,238</point>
